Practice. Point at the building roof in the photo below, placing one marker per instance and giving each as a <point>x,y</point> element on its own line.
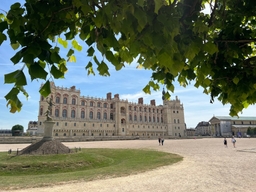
<point>235,118</point>
<point>244,126</point>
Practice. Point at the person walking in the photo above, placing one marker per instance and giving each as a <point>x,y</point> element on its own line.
<point>159,140</point>
<point>225,142</point>
<point>162,141</point>
<point>233,140</point>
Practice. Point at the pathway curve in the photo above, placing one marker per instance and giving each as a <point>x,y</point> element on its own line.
<point>207,167</point>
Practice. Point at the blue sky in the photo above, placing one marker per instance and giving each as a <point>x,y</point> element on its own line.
<point>128,83</point>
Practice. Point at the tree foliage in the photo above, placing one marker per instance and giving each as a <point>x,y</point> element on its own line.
<point>17,130</point>
<point>17,127</point>
<point>176,39</point>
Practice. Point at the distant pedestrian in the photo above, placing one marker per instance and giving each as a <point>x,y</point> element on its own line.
<point>225,142</point>
<point>233,140</point>
<point>162,141</point>
<point>159,140</point>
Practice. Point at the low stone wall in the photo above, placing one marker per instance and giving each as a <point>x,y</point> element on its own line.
<point>16,140</point>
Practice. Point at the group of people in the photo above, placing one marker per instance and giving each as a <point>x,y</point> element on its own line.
<point>233,141</point>
<point>161,141</point>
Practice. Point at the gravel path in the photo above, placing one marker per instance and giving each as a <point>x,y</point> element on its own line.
<point>207,167</point>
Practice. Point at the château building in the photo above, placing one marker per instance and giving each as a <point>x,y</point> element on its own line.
<point>227,126</point>
<point>76,115</point>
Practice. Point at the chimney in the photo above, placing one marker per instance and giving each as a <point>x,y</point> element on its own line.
<point>140,100</point>
<point>153,102</point>
<point>116,96</point>
<point>108,96</point>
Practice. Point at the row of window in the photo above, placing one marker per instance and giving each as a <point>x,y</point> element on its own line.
<point>73,115</point>
<point>145,109</point>
<point>105,105</point>
<point>146,119</point>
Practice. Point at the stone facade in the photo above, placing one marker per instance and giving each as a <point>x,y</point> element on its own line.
<point>32,128</point>
<point>203,128</point>
<point>76,115</point>
<point>190,132</point>
<point>227,126</point>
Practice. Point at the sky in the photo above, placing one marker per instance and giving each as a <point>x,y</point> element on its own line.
<point>128,83</point>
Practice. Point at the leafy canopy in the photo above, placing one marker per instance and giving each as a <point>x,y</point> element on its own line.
<point>18,127</point>
<point>176,39</point>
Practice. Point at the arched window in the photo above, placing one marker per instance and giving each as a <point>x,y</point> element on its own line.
<point>91,104</point>
<point>57,112</point>
<point>98,115</point>
<point>98,104</point>
<point>154,119</point>
<point>122,110</point>
<point>140,118</point>
<point>111,116</point>
<point>83,103</point>
<point>105,115</point>
<point>57,100</point>
<point>73,113</point>
<point>91,115</point>
<point>73,101</point>
<point>41,111</point>
<point>105,105</point>
<point>56,134</point>
<point>157,119</point>
<point>135,117</point>
<point>174,120</point>
<point>64,134</point>
<point>162,119</point>
<point>82,114</point>
<point>130,117</point>
<point>135,108</point>
<point>65,100</point>
<point>149,119</point>
<point>145,118</point>
<point>64,113</point>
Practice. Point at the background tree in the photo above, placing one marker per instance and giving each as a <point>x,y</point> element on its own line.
<point>249,131</point>
<point>176,39</point>
<point>17,130</point>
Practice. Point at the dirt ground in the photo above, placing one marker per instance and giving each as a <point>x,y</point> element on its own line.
<point>207,167</point>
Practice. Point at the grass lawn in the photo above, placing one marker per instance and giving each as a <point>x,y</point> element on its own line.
<point>85,165</point>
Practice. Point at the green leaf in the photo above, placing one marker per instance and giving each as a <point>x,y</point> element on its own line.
<point>15,45</point>
<point>64,43</point>
<point>72,58</point>
<point>96,60</point>
<point>55,57</point>
<point>146,89</point>
<point>70,52</point>
<point>56,72</point>
<point>13,100</point>
<point>3,25</point>
<point>17,57</point>
<point>16,77</point>
<point>210,48</point>
<point>158,5</point>
<point>235,80</point>
<point>45,89</point>
<point>76,45</point>
<point>20,79</point>
<point>2,38</point>
<point>103,69</point>
<point>11,77</point>
<point>90,51</point>
<point>36,71</point>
